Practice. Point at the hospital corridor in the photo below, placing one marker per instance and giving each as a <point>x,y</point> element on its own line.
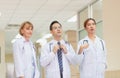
<point>71,15</point>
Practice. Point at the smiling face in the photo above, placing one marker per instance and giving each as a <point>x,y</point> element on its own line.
<point>90,26</point>
<point>26,30</point>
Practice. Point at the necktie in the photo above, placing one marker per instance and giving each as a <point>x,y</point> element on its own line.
<point>59,53</point>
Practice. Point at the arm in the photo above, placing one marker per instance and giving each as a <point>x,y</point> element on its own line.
<point>105,54</point>
<point>46,56</point>
<point>82,47</point>
<point>18,62</point>
<point>70,54</point>
<point>80,53</point>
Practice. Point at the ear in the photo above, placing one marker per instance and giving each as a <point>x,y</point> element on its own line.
<point>22,31</point>
<point>51,32</point>
<point>85,28</point>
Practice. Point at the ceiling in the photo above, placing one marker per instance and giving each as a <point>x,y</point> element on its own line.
<point>40,12</point>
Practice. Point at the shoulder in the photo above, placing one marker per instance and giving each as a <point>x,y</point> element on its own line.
<point>82,40</point>
<point>18,41</point>
<point>100,39</point>
<point>18,44</point>
<point>47,44</point>
<point>103,42</point>
<point>66,42</point>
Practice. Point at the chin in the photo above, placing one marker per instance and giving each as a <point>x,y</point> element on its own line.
<point>59,35</point>
<point>92,32</point>
<point>29,36</point>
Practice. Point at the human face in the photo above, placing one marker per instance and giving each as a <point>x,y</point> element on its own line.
<point>27,31</point>
<point>56,30</point>
<point>91,27</point>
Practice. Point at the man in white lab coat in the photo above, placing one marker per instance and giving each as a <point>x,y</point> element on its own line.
<point>57,66</point>
<point>92,53</point>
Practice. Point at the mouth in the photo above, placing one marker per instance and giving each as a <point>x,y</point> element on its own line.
<point>92,29</point>
<point>30,34</point>
<point>58,32</point>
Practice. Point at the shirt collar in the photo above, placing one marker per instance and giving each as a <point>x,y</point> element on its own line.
<point>96,38</point>
<point>55,41</point>
<point>24,40</point>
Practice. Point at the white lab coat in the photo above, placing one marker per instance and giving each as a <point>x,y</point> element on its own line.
<point>49,60</point>
<point>93,59</point>
<point>24,54</point>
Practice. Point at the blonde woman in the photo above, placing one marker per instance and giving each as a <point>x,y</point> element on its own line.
<point>24,53</point>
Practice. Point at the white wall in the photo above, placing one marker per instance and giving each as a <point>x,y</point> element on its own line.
<point>2,64</point>
<point>111,32</point>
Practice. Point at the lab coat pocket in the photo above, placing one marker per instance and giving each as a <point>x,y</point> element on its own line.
<point>29,72</point>
<point>52,74</point>
<point>88,70</point>
<point>89,55</point>
<point>102,67</point>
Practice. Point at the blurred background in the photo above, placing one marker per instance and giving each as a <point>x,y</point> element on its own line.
<point>71,14</point>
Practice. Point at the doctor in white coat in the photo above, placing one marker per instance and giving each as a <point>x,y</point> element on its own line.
<point>50,56</point>
<point>24,54</point>
<point>92,53</point>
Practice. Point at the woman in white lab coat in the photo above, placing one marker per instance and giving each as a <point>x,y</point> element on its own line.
<point>24,53</point>
<point>92,53</point>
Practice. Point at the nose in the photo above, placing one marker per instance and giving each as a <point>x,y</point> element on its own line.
<point>31,31</point>
<point>92,25</point>
<point>58,28</point>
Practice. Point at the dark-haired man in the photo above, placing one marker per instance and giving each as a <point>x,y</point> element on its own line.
<point>57,55</point>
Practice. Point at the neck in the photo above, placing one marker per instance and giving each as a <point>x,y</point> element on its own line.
<point>58,38</point>
<point>91,36</point>
<point>26,38</point>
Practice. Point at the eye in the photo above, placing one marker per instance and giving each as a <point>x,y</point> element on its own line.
<point>88,24</point>
<point>27,28</point>
<point>59,27</point>
<point>54,27</point>
<point>93,23</point>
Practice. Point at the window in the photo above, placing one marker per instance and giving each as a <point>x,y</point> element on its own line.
<point>97,11</point>
<point>93,10</point>
<point>83,16</point>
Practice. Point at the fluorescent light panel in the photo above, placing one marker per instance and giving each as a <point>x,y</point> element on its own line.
<point>72,19</point>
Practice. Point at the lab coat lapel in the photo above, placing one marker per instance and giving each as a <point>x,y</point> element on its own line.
<point>33,51</point>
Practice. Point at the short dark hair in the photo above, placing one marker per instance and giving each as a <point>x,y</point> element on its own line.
<point>54,23</point>
<point>86,21</point>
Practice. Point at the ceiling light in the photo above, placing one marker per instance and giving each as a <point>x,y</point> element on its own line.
<point>72,19</point>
